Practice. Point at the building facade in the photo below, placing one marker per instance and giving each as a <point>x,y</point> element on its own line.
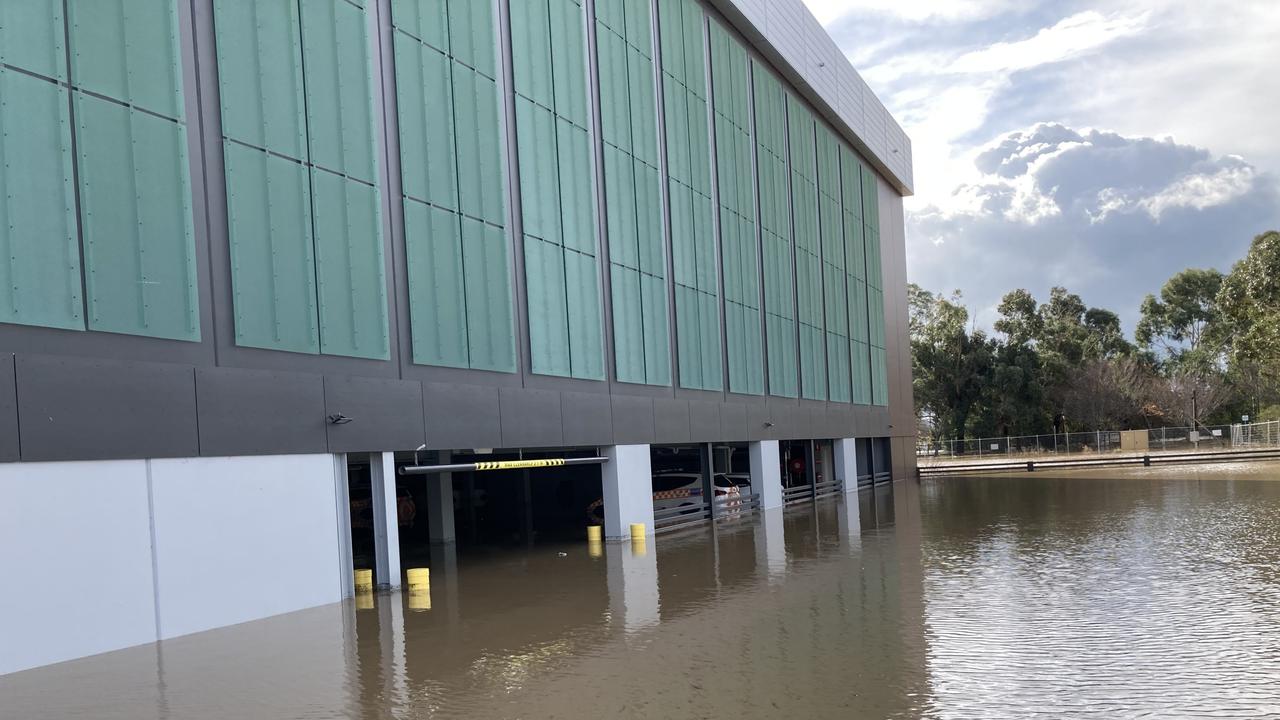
<point>246,241</point>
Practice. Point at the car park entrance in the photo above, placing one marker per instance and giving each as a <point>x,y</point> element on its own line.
<point>696,483</point>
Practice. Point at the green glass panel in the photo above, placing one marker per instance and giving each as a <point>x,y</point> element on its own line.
<point>339,97</point>
<point>568,61</point>
<point>628,326</point>
<point>620,207</point>
<point>490,326</point>
<point>426,20</point>
<point>471,35</point>
<point>531,51</point>
<point>139,252</point>
<point>838,368</point>
<point>272,256</point>
<point>577,190</point>
<point>548,310</point>
<point>32,36</point>
<point>649,219</point>
<point>539,174</point>
<point>350,273</point>
<point>879,377</point>
<point>128,50</point>
<point>437,299</point>
<point>657,342</point>
<point>428,169</point>
<point>260,74</point>
<point>615,112</point>
<point>586,343</point>
<point>479,146</point>
<point>39,252</point>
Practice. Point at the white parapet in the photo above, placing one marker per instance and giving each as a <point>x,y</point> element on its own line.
<point>627,481</point>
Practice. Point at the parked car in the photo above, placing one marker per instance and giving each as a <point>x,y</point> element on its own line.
<point>673,490</point>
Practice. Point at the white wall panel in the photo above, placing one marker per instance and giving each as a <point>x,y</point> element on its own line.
<point>242,538</point>
<point>75,550</point>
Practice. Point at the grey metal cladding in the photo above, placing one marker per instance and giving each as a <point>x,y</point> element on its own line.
<point>795,41</point>
<point>386,414</point>
<point>530,418</point>
<point>704,421</point>
<point>670,420</point>
<point>461,416</point>
<point>587,418</point>
<point>632,419</point>
<point>760,422</point>
<point>8,410</point>
<point>91,409</point>
<point>259,412</point>
<point>733,421</point>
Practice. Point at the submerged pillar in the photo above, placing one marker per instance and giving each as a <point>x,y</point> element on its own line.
<point>846,462</point>
<point>627,482</point>
<point>386,519</point>
<point>633,585</point>
<point>766,473</point>
<point>440,504</point>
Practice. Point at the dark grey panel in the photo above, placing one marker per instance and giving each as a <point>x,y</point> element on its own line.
<point>840,421</point>
<point>81,409</point>
<point>588,418</point>
<point>632,420</point>
<point>461,416</point>
<point>530,418</point>
<point>733,421</point>
<point>386,414</point>
<point>254,412</point>
<point>704,421</point>
<point>670,420</point>
<point>760,423</point>
<point>8,410</point>
<point>782,413</point>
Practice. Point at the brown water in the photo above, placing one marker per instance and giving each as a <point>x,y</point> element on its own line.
<point>1156,595</point>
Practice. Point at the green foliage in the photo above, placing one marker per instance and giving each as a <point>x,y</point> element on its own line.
<point>1208,350</point>
<point>1249,298</point>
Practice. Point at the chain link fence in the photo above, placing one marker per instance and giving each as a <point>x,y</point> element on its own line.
<point>1173,439</point>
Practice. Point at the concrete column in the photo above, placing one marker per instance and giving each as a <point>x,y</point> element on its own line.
<point>846,462</point>
<point>342,501</point>
<point>766,473</point>
<point>386,519</point>
<point>440,504</point>
<point>627,482</point>
<point>633,585</point>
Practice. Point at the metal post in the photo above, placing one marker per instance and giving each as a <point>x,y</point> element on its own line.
<point>708,479</point>
<point>1008,446</point>
<point>812,467</point>
<point>1098,447</point>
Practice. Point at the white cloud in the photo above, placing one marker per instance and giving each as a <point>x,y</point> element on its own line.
<point>1202,190</point>
<point>1070,37</point>
<point>917,10</point>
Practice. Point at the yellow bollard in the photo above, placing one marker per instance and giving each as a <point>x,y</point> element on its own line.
<point>595,549</point>
<point>364,580</point>
<point>364,601</point>
<point>595,533</point>
<point>418,579</point>
<point>637,531</point>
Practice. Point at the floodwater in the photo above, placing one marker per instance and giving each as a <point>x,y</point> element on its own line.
<point>1152,595</point>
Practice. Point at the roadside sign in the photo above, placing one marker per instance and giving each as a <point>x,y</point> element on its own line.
<point>1244,418</point>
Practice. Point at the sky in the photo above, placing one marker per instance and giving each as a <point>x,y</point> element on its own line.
<point>1102,146</point>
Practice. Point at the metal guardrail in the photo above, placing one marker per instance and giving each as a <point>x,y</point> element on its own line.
<point>1105,441</point>
<point>1146,460</point>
